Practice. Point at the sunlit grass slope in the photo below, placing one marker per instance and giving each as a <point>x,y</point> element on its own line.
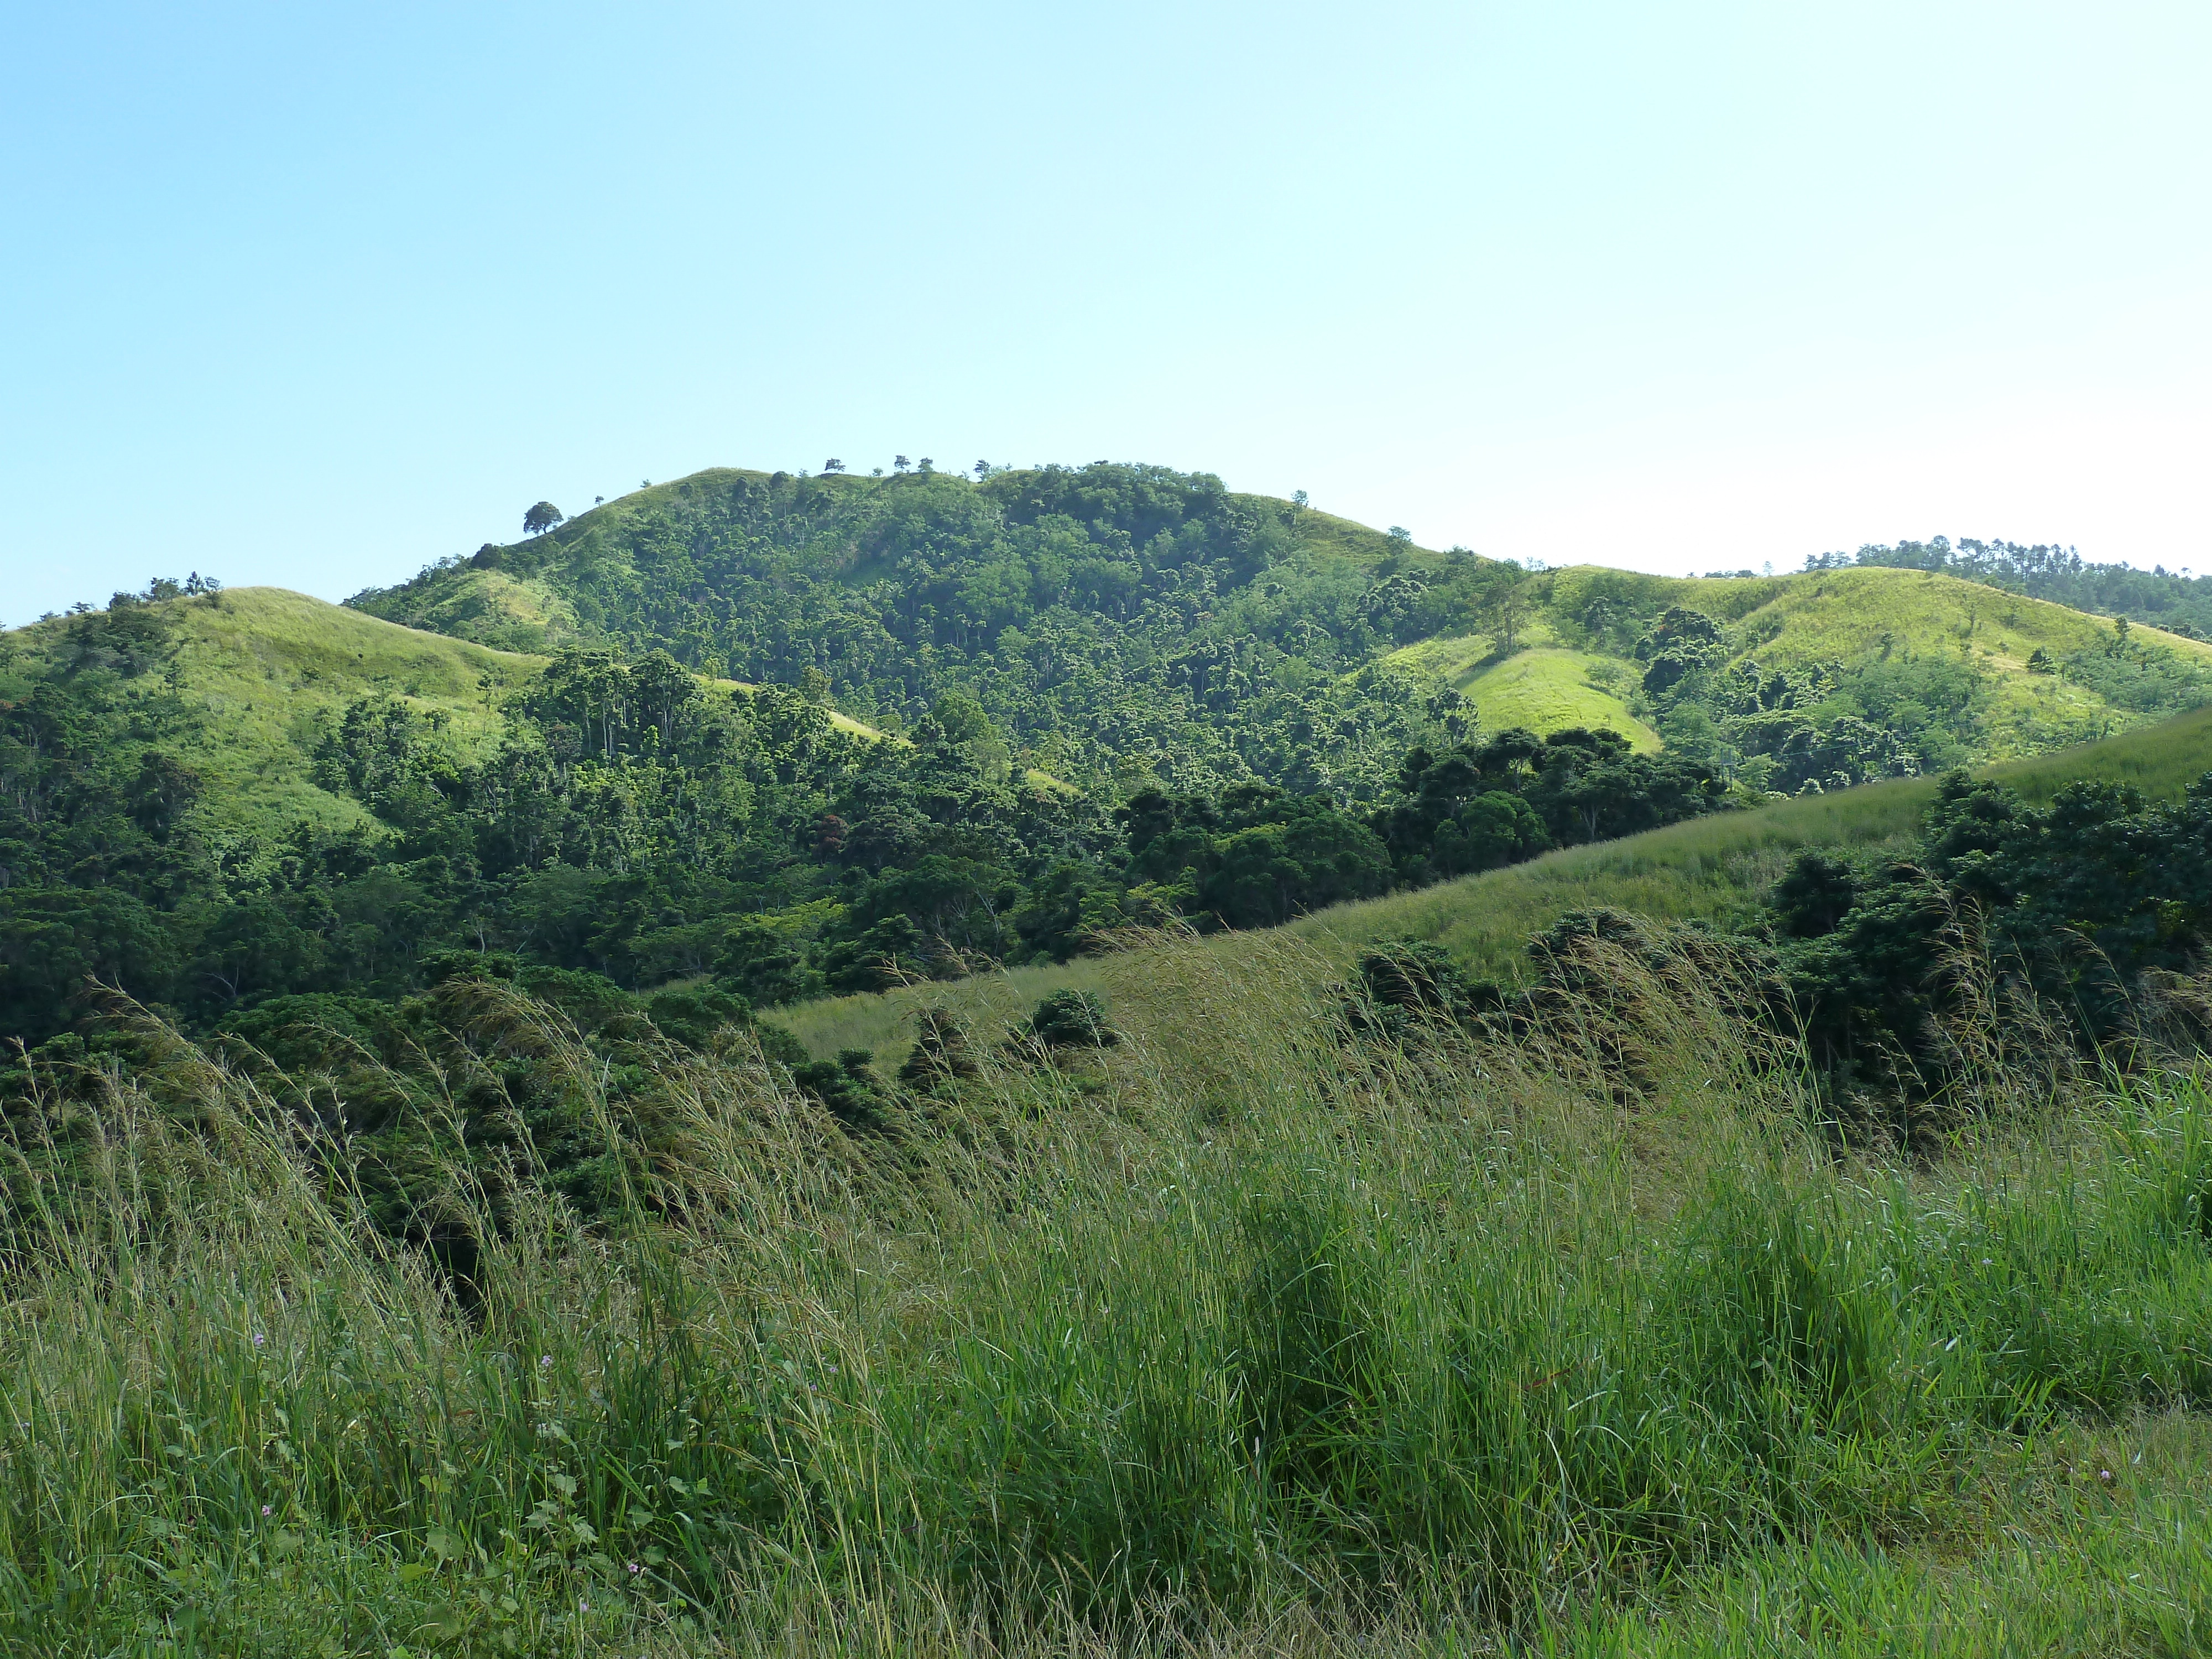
<point>494,607</point>
<point>258,674</point>
<point>1547,688</point>
<point>1708,868</point>
<point>1844,616</point>
<point>1231,1340</point>
<point>1841,616</point>
<point>1850,616</point>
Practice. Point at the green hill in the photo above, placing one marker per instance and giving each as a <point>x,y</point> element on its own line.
<point>213,799</point>
<point>250,680</point>
<point>1127,625</point>
<point>243,678</point>
<point>1804,1240</point>
<point>1950,661</point>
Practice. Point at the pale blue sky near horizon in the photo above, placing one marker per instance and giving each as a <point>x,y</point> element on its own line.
<point>316,295</point>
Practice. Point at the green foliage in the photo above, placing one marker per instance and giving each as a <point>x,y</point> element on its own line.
<point>2073,907</point>
<point>636,828</point>
<point>1481,805</point>
<point>940,1058</point>
<point>1715,868</point>
<point>1245,1366</point>
<point>1118,625</point>
<point>848,1088</point>
<point>1072,1019</point>
<point>1255,857</point>
<point>2141,678</point>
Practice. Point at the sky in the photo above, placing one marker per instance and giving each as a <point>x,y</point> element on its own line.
<point>317,296</point>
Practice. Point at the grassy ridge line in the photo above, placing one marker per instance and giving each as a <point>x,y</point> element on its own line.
<point>259,667</point>
<point>1707,868</point>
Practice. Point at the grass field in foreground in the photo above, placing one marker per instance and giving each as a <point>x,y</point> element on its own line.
<point>1707,868</point>
<point>1214,1344</point>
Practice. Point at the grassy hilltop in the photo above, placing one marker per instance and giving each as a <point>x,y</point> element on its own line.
<point>250,680</point>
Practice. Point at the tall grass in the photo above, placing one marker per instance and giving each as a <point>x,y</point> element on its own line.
<point>1232,1338</point>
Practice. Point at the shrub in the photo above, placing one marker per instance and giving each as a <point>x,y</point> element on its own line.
<point>940,1056</point>
<point>1072,1019</point>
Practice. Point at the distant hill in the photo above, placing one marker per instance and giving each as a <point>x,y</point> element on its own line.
<point>1126,625</point>
<point>250,681</point>
<point>1122,625</point>
<point>1833,676</point>
<point>2157,597</point>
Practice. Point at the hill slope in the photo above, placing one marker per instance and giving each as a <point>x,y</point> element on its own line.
<point>244,678</point>
<point>1958,673</point>
<point>1711,868</point>
<point>253,678</point>
<point>222,799</point>
<point>1126,625</point>
<point>216,800</point>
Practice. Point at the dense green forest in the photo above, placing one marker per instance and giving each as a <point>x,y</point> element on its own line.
<point>1115,623</point>
<point>641,826</point>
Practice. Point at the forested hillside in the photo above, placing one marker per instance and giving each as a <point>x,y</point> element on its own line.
<point>231,805</point>
<point>1121,625</point>
<point>747,740</point>
<point>1126,627</point>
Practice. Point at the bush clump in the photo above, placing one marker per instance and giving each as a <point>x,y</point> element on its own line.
<point>940,1056</point>
<point>1072,1019</point>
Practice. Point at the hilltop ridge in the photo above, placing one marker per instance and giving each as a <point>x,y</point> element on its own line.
<point>1119,622</point>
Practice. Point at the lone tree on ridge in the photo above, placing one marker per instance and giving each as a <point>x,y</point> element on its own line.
<point>540,518</point>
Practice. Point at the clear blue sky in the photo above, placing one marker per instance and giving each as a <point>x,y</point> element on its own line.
<point>314,295</point>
